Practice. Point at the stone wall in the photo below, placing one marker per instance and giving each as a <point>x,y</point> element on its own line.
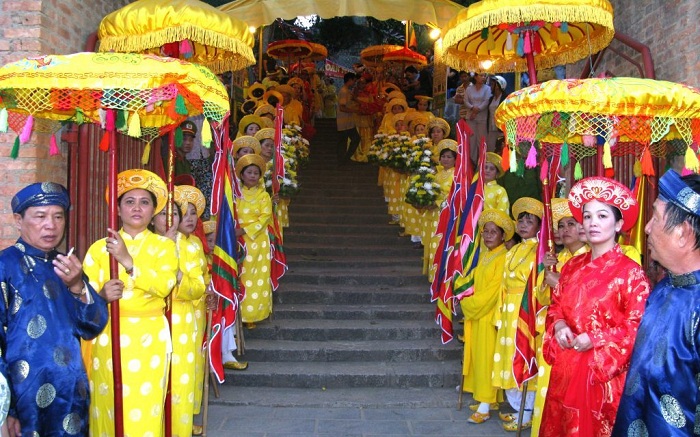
<point>667,27</point>
<point>34,28</point>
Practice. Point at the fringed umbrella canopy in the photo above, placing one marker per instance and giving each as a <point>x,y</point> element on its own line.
<point>406,56</point>
<point>643,117</point>
<point>319,52</point>
<point>186,29</point>
<point>151,95</point>
<point>498,35</point>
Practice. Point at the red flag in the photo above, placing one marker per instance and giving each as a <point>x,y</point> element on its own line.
<point>277,157</point>
<point>224,275</point>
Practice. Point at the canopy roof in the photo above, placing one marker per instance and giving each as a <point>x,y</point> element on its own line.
<point>263,12</point>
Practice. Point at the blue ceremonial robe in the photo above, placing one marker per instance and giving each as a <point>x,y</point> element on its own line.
<point>40,343</point>
<point>661,395</point>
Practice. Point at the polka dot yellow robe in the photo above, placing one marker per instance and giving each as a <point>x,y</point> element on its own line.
<point>144,334</point>
<point>518,263</point>
<point>185,332</point>
<point>254,216</point>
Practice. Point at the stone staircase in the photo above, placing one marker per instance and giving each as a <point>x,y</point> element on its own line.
<point>353,323</point>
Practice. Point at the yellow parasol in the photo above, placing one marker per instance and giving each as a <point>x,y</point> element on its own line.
<point>141,95</point>
<point>319,52</point>
<point>406,56</point>
<point>525,35</point>
<point>184,29</point>
<point>263,12</point>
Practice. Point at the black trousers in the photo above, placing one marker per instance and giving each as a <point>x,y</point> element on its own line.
<point>345,151</point>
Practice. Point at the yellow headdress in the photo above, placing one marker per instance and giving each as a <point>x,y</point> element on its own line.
<point>190,194</point>
<point>560,209</point>
<point>137,178</point>
<point>529,205</point>
<point>266,109</point>
<point>265,134</point>
<point>500,219</point>
<point>446,144</point>
<point>496,161</point>
<point>209,226</point>
<point>441,123</point>
<point>394,102</point>
<point>245,161</point>
<point>246,141</point>
<point>247,121</point>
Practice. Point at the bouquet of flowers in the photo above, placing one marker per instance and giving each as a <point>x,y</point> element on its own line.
<point>421,155</point>
<point>376,149</point>
<point>398,150</point>
<point>423,190</point>
<point>292,139</point>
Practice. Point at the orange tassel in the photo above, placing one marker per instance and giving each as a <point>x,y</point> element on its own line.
<point>104,142</point>
<point>647,163</point>
<point>505,158</point>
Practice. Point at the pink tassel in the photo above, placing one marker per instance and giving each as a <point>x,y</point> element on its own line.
<point>527,44</point>
<point>53,147</point>
<point>26,130</point>
<point>186,49</point>
<point>531,161</point>
<point>110,119</point>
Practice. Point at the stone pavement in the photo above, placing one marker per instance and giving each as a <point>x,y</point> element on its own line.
<point>349,421</point>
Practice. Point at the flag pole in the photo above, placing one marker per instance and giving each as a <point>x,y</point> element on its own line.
<point>522,409</point>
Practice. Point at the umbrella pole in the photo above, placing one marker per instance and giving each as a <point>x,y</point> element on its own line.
<point>114,274</point>
<point>205,395</point>
<point>530,58</point>
<point>260,54</point>
<point>522,410</point>
<point>167,410</point>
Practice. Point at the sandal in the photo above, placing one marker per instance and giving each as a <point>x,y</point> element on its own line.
<point>478,418</point>
<point>513,426</point>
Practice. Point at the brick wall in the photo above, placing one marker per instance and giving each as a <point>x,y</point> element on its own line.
<point>668,28</point>
<point>32,28</point>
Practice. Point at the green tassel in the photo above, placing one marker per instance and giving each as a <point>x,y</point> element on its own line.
<point>3,120</point>
<point>564,160</point>
<point>79,118</point>
<point>15,149</point>
<point>521,168</point>
<point>578,172</point>
<point>180,106</point>
<point>484,33</point>
<point>178,137</point>
<point>121,120</point>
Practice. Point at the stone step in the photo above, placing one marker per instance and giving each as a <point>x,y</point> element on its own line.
<point>311,230</point>
<point>302,262</point>
<point>328,197</point>
<point>361,313</point>
<point>332,209</point>
<point>305,217</point>
<point>344,330</point>
<point>330,375</point>
<point>351,295</point>
<point>339,351</point>
<point>348,239</point>
<point>394,276</point>
<point>310,249</point>
<point>365,397</point>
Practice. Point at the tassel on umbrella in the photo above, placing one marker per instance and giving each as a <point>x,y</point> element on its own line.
<point>206,133</point>
<point>53,147</point>
<point>27,130</point>
<point>3,120</point>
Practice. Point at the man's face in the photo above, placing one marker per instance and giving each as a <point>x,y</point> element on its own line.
<point>187,144</point>
<point>42,226</point>
<point>659,241</point>
<point>410,76</point>
<point>464,78</point>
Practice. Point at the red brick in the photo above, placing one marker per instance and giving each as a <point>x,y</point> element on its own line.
<point>22,5</point>
<point>22,32</point>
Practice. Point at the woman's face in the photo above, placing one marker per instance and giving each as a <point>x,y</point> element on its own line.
<point>490,172</point>
<point>599,222</point>
<point>480,79</point>
<point>160,221</point>
<point>250,176</point>
<point>396,109</point>
<point>266,148</point>
<point>447,159</point>
<point>245,151</point>
<point>211,241</point>
<point>528,225</point>
<point>136,209</point>
<point>493,235</point>
<point>400,126</point>
<point>422,105</point>
<point>252,129</point>
<point>569,231</point>
<point>189,220</point>
<point>437,135</point>
<point>419,129</point>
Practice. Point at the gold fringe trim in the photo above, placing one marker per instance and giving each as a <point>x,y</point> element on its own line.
<point>516,14</point>
<point>140,43</point>
<point>461,60</point>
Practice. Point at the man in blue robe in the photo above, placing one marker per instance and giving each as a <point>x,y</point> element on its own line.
<point>662,390</point>
<point>47,306</point>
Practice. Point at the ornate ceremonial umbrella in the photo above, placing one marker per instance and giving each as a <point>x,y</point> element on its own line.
<point>574,118</point>
<point>143,96</point>
<point>406,56</point>
<point>525,35</point>
<point>319,52</point>
<point>373,56</point>
<point>186,29</point>
<point>289,50</point>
